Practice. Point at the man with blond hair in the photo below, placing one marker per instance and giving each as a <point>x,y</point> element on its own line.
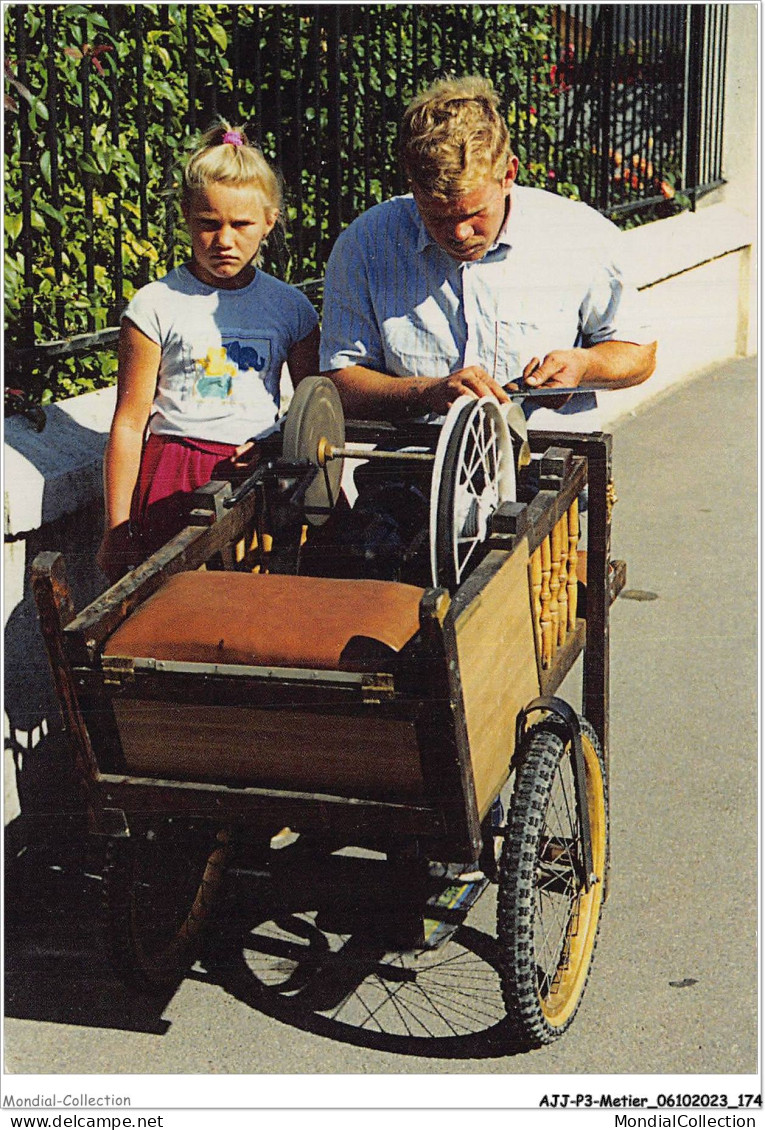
<point>472,282</point>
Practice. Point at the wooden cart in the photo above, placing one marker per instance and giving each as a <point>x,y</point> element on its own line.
<point>209,704</point>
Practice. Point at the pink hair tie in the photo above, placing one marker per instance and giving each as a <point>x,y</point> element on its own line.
<point>232,137</point>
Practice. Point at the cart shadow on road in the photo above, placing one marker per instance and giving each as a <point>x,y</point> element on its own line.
<point>56,962</point>
<point>305,948</point>
<point>299,945</point>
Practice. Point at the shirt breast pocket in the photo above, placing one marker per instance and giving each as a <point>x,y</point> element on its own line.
<point>533,335</point>
<point>515,344</point>
<point>413,351</point>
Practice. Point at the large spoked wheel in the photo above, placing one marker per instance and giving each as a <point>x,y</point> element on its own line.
<point>547,922</point>
<point>473,472</point>
<point>160,887</point>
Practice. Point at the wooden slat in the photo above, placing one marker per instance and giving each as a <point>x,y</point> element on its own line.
<point>545,617</point>
<point>563,581</point>
<point>535,582</point>
<point>565,657</point>
<point>302,810</point>
<point>547,507</point>
<point>573,541</point>
<point>352,755</point>
<point>497,661</point>
<point>55,609</point>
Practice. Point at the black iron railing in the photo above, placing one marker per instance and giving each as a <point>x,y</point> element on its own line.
<point>622,104</point>
<point>641,99</point>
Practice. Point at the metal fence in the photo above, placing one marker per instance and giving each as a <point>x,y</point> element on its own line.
<point>622,103</point>
<point>641,99</point>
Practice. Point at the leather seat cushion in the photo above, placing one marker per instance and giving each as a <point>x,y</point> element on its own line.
<point>268,619</point>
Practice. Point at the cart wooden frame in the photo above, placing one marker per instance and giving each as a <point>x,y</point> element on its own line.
<point>453,712</point>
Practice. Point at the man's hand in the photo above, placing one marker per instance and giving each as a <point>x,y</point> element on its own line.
<point>609,364</point>
<point>564,368</point>
<point>440,393</point>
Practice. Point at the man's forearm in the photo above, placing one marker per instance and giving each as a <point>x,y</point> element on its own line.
<point>367,394</point>
<point>619,364</point>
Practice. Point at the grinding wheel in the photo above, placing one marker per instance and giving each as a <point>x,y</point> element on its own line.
<point>316,413</point>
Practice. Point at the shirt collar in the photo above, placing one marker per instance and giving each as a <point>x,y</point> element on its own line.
<point>423,238</point>
<point>504,238</point>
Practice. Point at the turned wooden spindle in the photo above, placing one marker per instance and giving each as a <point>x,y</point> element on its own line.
<point>545,620</point>
<point>573,540</point>
<point>260,548</point>
<point>535,572</point>
<point>556,553</point>
<point>563,579</point>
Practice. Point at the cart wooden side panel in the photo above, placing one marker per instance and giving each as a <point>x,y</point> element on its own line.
<point>320,746</point>
<point>492,635</point>
<point>281,749</point>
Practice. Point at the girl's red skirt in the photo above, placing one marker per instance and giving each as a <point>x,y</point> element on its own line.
<point>171,468</point>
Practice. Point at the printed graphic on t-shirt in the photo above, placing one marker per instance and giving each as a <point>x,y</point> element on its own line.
<point>221,370</point>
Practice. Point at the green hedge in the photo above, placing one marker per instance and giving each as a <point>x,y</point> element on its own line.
<point>93,89</point>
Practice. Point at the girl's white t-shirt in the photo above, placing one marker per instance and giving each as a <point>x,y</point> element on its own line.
<point>222,352</point>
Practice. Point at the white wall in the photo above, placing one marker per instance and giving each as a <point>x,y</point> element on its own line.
<point>741,98</point>
<point>696,279</point>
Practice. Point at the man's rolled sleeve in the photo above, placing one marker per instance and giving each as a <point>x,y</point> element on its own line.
<point>349,332</point>
<point>613,309</point>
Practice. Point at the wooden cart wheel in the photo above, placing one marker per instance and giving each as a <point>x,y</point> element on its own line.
<point>547,923</point>
<point>160,887</point>
<point>473,471</point>
<point>316,413</point>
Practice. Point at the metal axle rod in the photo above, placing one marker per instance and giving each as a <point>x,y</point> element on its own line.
<point>327,451</point>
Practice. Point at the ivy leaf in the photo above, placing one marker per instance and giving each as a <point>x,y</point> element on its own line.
<point>35,102</point>
<point>218,34</point>
<point>87,163</point>
<point>104,160</point>
<point>54,213</point>
<point>164,89</point>
<point>13,225</point>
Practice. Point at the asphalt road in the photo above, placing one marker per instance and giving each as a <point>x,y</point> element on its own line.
<point>674,985</point>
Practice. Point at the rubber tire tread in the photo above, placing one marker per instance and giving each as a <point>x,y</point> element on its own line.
<point>121,872</point>
<point>543,747</point>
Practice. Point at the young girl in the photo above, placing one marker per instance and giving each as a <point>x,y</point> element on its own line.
<point>200,354</point>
